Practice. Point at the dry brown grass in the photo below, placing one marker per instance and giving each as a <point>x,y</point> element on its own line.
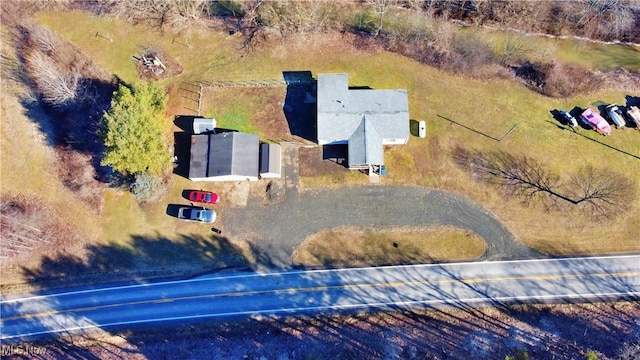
<point>491,106</point>
<point>29,229</point>
<point>565,230</point>
<point>358,246</point>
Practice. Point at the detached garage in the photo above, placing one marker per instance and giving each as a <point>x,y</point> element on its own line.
<point>228,156</point>
<point>270,161</point>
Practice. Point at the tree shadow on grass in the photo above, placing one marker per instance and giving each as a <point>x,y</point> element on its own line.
<point>144,257</point>
<point>76,125</point>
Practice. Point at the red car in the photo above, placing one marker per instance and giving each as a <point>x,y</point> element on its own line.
<point>206,197</point>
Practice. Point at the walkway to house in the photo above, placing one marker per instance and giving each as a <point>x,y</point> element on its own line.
<point>275,229</point>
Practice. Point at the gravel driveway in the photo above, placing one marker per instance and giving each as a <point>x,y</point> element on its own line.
<point>274,230</point>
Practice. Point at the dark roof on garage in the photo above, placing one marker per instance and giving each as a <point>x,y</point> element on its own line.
<point>224,154</point>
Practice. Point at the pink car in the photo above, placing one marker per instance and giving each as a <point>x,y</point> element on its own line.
<point>596,122</point>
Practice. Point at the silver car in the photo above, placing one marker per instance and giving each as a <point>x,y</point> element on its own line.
<point>198,214</point>
<point>616,115</point>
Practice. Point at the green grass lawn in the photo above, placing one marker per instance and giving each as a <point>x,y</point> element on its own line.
<point>490,107</point>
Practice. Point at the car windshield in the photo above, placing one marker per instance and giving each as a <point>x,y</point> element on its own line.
<point>207,197</point>
<point>208,215</point>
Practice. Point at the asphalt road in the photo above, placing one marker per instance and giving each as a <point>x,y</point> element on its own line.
<point>319,291</point>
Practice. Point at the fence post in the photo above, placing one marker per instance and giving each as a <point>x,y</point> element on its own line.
<point>199,98</point>
<point>508,132</point>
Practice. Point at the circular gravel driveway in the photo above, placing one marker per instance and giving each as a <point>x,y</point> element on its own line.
<point>274,230</point>
<point>277,229</point>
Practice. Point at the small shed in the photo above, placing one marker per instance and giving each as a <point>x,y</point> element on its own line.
<point>203,125</point>
<point>270,161</point>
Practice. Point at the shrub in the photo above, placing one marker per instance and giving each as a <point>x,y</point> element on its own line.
<point>77,173</point>
<point>299,16</point>
<point>145,187</point>
<point>470,52</point>
<point>227,8</point>
<point>563,80</point>
<point>555,79</point>
<point>363,21</point>
<point>27,226</point>
<point>54,81</point>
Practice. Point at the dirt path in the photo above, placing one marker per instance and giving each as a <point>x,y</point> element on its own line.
<point>276,229</point>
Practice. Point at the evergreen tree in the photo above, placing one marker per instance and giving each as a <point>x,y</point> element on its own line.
<point>134,130</point>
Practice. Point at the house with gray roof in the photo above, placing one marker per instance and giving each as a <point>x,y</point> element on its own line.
<point>227,156</point>
<point>364,119</point>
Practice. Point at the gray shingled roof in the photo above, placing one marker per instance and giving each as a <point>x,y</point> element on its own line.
<point>198,157</point>
<point>228,153</point>
<point>365,145</point>
<point>341,112</point>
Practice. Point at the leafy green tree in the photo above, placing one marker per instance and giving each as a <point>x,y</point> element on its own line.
<point>134,130</point>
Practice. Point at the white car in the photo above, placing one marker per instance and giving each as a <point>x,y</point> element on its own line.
<point>633,113</point>
<point>616,115</point>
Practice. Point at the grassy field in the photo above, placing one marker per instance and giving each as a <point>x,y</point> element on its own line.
<point>590,55</point>
<point>490,107</point>
<point>368,247</point>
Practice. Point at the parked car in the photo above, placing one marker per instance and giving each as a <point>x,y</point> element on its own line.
<point>199,214</point>
<point>206,197</point>
<point>616,115</point>
<point>595,121</point>
<point>633,113</point>
<point>571,121</point>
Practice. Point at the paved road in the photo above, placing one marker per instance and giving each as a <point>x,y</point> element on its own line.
<point>320,291</point>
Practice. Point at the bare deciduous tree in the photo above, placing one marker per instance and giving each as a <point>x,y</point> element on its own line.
<point>629,351</point>
<point>380,8</point>
<point>44,38</point>
<point>611,18</point>
<point>513,49</point>
<point>600,191</point>
<point>161,14</point>
<point>603,191</point>
<point>522,175</point>
<point>299,16</point>
<point>57,87</point>
<point>251,25</point>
